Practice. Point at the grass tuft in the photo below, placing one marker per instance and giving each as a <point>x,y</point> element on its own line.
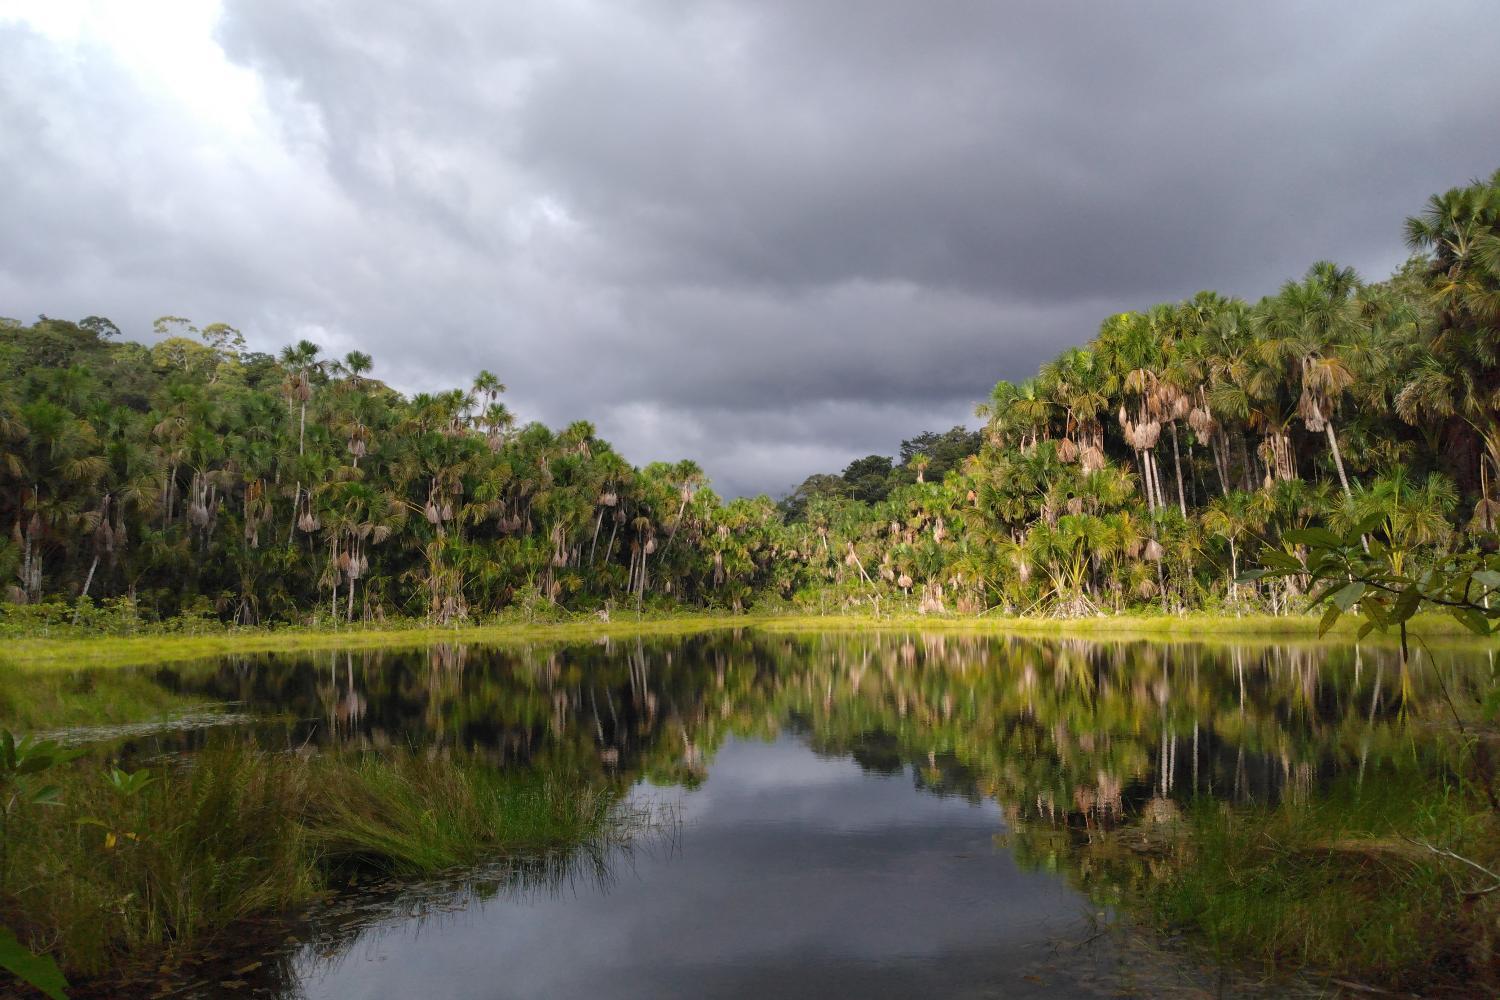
<point>111,879</point>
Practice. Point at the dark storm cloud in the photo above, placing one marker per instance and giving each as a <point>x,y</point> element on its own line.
<point>770,235</point>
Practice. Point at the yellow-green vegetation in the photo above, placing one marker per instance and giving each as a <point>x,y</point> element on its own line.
<point>56,699</point>
<point>1387,882</point>
<point>80,649</point>
<point>122,870</point>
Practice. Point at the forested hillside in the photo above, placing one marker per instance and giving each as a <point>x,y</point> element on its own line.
<point>1144,468</point>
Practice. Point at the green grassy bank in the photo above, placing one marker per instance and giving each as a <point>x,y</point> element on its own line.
<point>80,649</point>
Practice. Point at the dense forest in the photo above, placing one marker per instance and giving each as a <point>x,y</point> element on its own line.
<point>1144,469</point>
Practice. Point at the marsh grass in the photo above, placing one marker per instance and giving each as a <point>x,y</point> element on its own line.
<point>1341,886</point>
<point>232,833</point>
<point>428,815</point>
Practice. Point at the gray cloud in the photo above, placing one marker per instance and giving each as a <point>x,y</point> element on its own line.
<point>768,235</point>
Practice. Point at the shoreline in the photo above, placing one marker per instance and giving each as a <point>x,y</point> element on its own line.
<point>100,651</point>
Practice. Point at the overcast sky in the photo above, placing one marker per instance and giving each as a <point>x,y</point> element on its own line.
<point>771,235</point>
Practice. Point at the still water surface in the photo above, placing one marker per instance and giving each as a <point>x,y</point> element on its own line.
<point>792,875</point>
<point>853,815</point>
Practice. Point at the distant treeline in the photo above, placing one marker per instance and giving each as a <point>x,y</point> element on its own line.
<point>1145,468</point>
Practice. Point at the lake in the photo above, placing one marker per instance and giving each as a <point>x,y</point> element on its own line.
<point>863,815</point>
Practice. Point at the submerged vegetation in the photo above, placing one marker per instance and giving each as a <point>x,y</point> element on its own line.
<point>195,479</point>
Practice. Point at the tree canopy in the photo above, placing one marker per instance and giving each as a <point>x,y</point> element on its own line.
<point>1145,467</point>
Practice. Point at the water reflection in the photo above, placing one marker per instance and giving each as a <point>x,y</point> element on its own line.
<point>1043,727</point>
<point>795,876</point>
<point>842,796</point>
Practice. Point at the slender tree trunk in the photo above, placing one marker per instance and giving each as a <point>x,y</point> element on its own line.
<point>90,578</point>
<point>861,565</point>
<point>1161,501</point>
<point>1338,458</point>
<point>291,531</point>
<point>85,592</point>
<point>1177,461</point>
<point>1140,461</point>
<point>1234,575</point>
<point>1213,443</point>
<point>302,428</point>
<point>676,523</point>
<point>594,544</point>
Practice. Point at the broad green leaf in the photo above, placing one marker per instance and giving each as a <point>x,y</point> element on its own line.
<point>33,763</point>
<point>49,795</point>
<point>1314,537</point>
<point>1348,595</point>
<point>1407,604</point>
<point>1329,617</point>
<point>1487,578</point>
<point>1472,620</point>
<point>39,971</point>
<point>1280,560</point>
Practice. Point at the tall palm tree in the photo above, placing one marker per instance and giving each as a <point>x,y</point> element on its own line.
<point>1310,326</point>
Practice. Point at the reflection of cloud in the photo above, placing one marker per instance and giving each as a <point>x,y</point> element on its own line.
<point>792,870</point>
<point>782,783</point>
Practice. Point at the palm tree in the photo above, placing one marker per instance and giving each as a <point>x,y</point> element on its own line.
<point>1459,375</point>
<point>1412,513</point>
<point>301,363</point>
<point>919,463</point>
<point>1309,326</point>
<point>1232,517</point>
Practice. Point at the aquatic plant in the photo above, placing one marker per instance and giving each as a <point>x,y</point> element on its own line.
<point>130,865</point>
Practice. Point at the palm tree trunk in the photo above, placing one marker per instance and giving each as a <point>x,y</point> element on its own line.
<point>90,578</point>
<point>1338,458</point>
<point>1140,460</point>
<point>1177,461</point>
<point>594,544</point>
<point>676,523</point>
<point>291,531</point>
<point>1219,464</point>
<point>1234,575</point>
<point>85,592</point>
<point>1156,479</point>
